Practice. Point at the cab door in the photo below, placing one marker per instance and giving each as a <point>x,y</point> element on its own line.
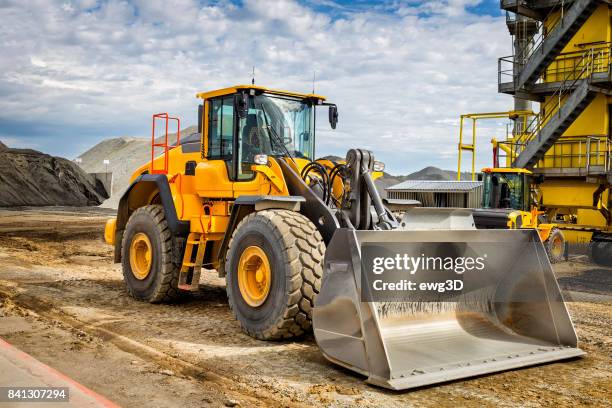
<point>214,172</point>
<point>223,173</point>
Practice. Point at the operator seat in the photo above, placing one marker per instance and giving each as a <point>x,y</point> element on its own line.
<point>251,142</point>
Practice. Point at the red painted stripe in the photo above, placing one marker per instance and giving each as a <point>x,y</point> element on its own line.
<point>54,373</point>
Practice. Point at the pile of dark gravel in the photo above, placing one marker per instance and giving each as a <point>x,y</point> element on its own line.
<point>32,178</point>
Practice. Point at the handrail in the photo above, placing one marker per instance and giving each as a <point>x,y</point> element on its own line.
<point>538,42</point>
<point>567,62</point>
<point>553,20</point>
<point>602,57</point>
<point>595,157</point>
<point>590,62</point>
<point>164,143</point>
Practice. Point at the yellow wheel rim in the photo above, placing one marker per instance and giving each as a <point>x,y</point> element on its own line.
<point>141,254</point>
<point>254,276</point>
<point>557,247</point>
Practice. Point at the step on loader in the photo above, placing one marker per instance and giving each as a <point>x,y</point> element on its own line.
<point>307,244</point>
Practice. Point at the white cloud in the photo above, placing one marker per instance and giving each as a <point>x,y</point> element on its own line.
<point>400,74</point>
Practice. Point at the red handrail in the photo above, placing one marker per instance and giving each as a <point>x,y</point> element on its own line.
<point>167,118</point>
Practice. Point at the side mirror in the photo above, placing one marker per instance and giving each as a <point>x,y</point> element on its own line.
<point>480,177</point>
<point>333,116</point>
<point>241,101</point>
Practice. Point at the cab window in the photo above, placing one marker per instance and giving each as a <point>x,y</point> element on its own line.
<point>221,131</point>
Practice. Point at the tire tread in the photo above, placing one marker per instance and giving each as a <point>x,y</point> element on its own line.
<point>302,243</point>
<point>167,288</point>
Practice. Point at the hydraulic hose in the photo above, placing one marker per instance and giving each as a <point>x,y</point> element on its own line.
<point>320,169</point>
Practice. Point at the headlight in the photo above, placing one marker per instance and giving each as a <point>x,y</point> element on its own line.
<point>379,166</point>
<point>261,159</point>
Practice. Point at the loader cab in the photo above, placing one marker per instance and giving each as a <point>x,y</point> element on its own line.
<point>244,125</point>
<point>507,188</point>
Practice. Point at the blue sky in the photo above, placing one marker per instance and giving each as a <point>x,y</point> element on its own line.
<point>75,72</point>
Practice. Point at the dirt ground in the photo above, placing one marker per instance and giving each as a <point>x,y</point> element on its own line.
<point>63,301</point>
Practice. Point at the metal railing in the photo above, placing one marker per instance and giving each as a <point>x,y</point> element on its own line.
<point>553,20</point>
<point>511,66</point>
<point>592,154</point>
<point>568,64</point>
<point>504,74</point>
<point>589,62</point>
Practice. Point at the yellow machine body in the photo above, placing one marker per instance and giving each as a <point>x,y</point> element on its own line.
<point>286,231</point>
<point>205,199</point>
<point>524,215</point>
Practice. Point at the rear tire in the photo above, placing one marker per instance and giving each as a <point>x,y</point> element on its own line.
<point>601,252</point>
<point>555,246</point>
<point>294,250</point>
<point>160,283</point>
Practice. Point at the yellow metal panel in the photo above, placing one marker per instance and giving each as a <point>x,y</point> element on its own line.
<point>567,193</point>
<point>505,170</point>
<point>273,177</point>
<point>595,29</point>
<point>277,182</point>
<point>109,231</point>
<point>576,237</point>
<point>592,121</point>
<point>590,217</point>
<point>592,31</point>
<point>212,180</point>
<point>259,185</point>
<point>236,88</point>
<point>186,200</point>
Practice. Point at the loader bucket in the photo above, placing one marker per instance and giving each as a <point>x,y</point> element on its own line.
<point>509,314</point>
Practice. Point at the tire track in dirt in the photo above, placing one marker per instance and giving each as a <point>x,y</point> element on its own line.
<point>205,375</point>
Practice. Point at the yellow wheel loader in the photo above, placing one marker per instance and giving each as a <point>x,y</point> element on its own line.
<point>508,202</point>
<point>307,244</point>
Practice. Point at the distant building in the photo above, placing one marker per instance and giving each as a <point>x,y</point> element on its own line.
<point>455,194</point>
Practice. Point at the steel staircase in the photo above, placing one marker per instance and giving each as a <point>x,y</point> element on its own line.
<point>574,91</point>
<point>551,43</point>
<point>555,125</point>
<point>561,109</point>
<point>557,114</point>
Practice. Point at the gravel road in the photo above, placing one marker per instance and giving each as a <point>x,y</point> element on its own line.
<point>63,301</point>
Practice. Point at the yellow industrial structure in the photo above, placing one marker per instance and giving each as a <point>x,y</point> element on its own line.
<point>517,116</point>
<point>562,60</point>
<point>246,198</point>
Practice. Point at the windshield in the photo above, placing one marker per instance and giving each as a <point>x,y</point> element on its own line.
<point>276,126</point>
<point>504,190</point>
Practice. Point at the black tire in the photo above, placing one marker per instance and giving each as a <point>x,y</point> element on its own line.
<point>161,284</point>
<point>555,246</point>
<point>295,251</point>
<point>601,252</point>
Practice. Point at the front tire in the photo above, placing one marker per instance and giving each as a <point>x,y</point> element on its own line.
<point>555,246</point>
<point>146,256</point>
<point>274,268</point>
